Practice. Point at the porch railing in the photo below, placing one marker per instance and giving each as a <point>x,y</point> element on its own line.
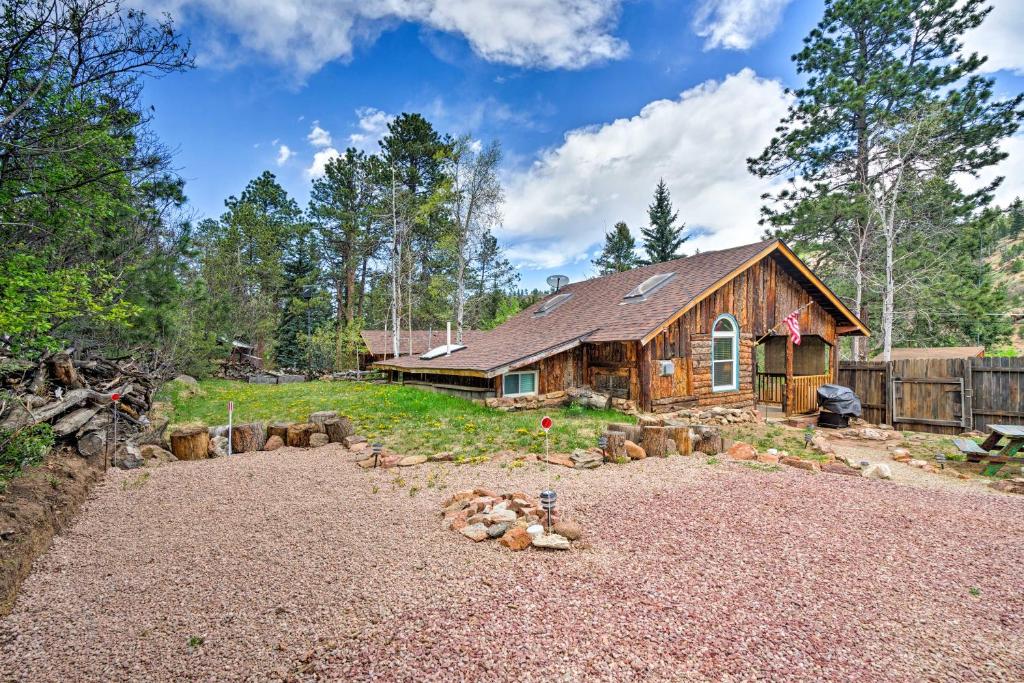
<point>771,388</point>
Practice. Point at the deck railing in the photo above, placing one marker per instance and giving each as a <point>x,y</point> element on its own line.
<point>771,388</point>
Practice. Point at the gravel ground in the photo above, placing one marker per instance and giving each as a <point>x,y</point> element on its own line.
<point>300,565</point>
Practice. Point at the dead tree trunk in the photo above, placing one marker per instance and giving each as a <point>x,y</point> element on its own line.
<point>655,441</point>
<point>616,447</point>
<point>707,439</point>
<point>338,429</point>
<point>92,445</point>
<point>298,434</point>
<point>190,443</point>
<point>248,437</point>
<point>632,432</point>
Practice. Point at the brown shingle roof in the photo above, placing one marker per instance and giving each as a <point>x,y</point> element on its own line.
<point>378,342</point>
<point>596,312</point>
<point>907,353</point>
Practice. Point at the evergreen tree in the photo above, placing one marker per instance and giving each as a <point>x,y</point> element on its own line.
<point>663,239</point>
<point>873,67</point>
<point>619,252</point>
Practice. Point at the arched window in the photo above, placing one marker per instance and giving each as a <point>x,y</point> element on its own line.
<point>725,350</point>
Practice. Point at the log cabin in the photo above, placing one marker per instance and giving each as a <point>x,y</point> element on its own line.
<point>703,330</point>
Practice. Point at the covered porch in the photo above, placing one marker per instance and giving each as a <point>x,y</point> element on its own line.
<point>788,375</point>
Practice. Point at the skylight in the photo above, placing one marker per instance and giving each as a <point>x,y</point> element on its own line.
<point>648,286</point>
<point>553,303</point>
<point>442,350</point>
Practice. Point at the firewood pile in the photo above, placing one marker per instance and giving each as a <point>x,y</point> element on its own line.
<point>74,394</point>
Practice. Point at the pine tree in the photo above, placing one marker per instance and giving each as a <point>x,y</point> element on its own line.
<point>663,239</point>
<point>619,251</point>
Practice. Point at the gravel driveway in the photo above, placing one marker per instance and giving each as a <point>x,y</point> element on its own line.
<point>300,565</point>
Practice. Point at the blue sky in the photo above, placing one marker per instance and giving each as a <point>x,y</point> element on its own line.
<point>592,101</point>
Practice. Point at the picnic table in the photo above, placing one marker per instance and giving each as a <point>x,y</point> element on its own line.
<point>990,450</point>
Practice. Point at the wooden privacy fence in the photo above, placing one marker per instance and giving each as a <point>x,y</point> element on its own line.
<point>945,396</point>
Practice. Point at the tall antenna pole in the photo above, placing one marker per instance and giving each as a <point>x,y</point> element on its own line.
<point>396,259</point>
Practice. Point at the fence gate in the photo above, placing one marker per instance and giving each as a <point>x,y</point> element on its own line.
<point>934,401</point>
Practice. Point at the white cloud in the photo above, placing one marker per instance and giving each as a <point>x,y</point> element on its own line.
<point>1011,168</point>
<point>372,125</point>
<point>307,34</point>
<point>318,137</point>
<point>999,37</point>
<point>564,203</point>
<point>737,24</point>
<point>320,160</point>
<point>284,153</point>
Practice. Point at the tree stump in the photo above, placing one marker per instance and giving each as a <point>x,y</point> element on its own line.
<point>190,443</point>
<point>63,370</point>
<point>279,429</point>
<point>681,436</point>
<point>248,437</point>
<point>706,439</point>
<point>92,444</point>
<point>655,441</point>
<point>339,428</point>
<point>616,446</point>
<point>632,432</point>
<point>319,418</point>
<point>298,434</point>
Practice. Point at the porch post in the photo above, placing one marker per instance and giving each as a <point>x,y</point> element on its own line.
<point>833,360</point>
<point>787,395</point>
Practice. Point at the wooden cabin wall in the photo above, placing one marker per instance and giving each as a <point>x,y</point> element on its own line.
<point>555,373</point>
<point>759,298</point>
<point>610,366</point>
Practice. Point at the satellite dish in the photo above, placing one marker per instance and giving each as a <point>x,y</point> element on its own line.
<point>556,282</point>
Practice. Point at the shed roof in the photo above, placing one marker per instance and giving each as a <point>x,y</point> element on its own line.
<point>909,353</point>
<point>598,312</point>
<point>378,342</point>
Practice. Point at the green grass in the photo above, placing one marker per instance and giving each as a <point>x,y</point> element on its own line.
<point>408,420</point>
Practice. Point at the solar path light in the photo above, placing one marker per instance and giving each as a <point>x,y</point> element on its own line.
<point>377,447</point>
<point>602,443</point>
<point>547,503</point>
<point>940,458</point>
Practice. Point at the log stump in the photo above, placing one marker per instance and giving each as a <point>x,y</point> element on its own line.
<point>632,432</point>
<point>92,444</point>
<point>681,436</point>
<point>279,429</point>
<point>248,437</point>
<point>190,443</point>
<point>616,448</point>
<point>706,439</point>
<point>338,429</point>
<point>320,417</point>
<point>63,370</point>
<point>298,434</point>
<point>655,441</point>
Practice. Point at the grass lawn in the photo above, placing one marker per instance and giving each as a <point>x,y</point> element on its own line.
<point>408,420</point>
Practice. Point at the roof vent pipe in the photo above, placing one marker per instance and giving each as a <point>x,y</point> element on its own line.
<point>448,341</point>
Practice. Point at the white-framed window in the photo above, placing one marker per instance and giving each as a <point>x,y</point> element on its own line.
<point>725,351</point>
<point>519,383</point>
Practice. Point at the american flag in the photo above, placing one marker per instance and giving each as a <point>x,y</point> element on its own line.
<point>793,323</point>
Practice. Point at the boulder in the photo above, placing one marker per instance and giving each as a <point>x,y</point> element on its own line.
<point>742,451</point>
<point>156,453</point>
<point>878,470</point>
<point>502,516</point>
<point>840,468</point>
<point>821,444</point>
<point>410,460</point>
<point>551,542</point>
<point>516,539</point>
<point>808,465</point>
<point>474,532</point>
<point>128,456</point>
<point>914,462</point>
<point>635,451</point>
<point>1015,485</point>
<point>568,529</point>
<point>560,459</point>
<point>218,447</point>
<point>361,446</point>
<point>586,460</point>
<point>768,458</point>
<point>900,455</point>
<point>352,440</point>
<point>273,443</point>
<point>318,439</point>
<point>497,530</point>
